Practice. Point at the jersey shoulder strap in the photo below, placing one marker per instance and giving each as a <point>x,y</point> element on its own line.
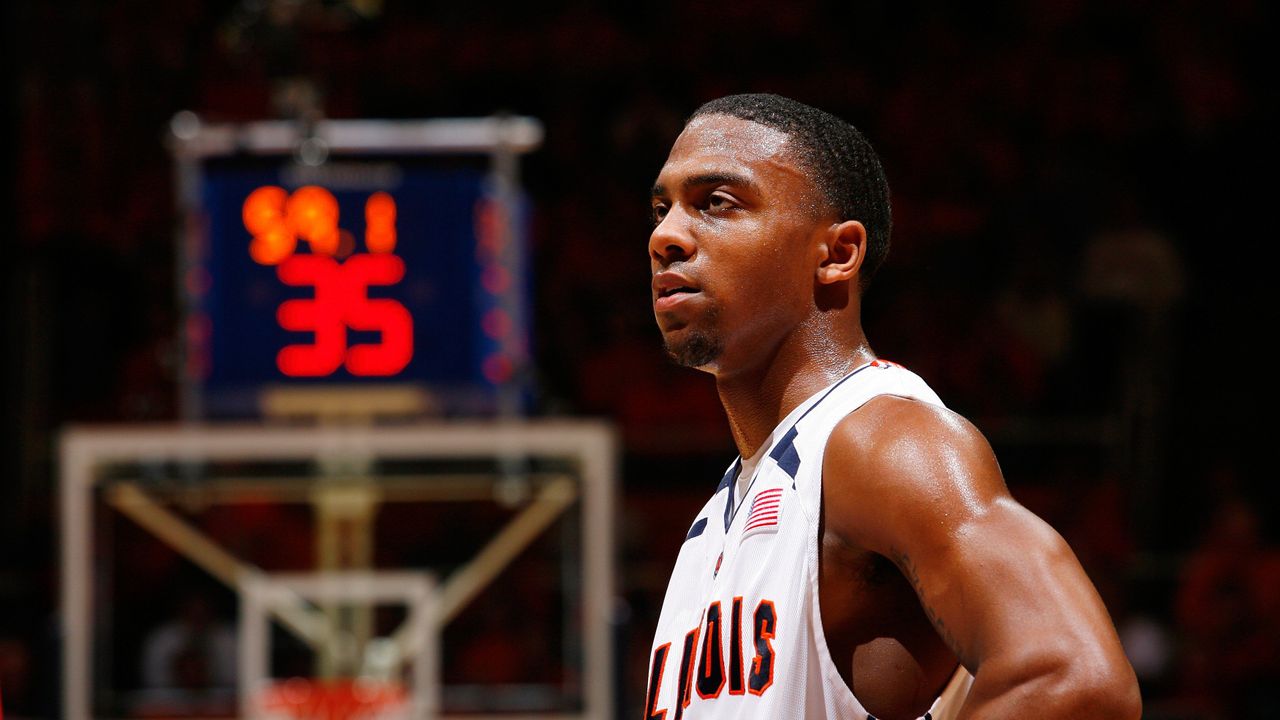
<point>800,452</point>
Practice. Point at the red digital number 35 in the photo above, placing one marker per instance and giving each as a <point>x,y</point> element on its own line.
<point>342,301</point>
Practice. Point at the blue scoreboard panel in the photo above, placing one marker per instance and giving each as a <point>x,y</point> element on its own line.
<point>359,271</point>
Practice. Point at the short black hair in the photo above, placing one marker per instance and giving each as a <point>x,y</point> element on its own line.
<point>844,167</point>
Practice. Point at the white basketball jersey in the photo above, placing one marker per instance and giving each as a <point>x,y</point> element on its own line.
<point>740,634</point>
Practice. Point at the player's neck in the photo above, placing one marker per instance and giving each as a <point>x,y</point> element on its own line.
<point>757,398</point>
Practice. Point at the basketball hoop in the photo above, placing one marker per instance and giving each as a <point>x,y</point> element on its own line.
<point>346,699</point>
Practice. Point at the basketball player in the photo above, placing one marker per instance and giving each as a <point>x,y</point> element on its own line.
<point>862,558</point>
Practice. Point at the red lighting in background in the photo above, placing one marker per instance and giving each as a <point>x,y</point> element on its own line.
<point>493,254</point>
<point>277,220</point>
<point>197,281</point>
<point>497,369</point>
<point>496,323</point>
<point>198,330</point>
<point>489,235</point>
<point>495,279</point>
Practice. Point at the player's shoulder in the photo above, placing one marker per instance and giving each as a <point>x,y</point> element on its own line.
<point>894,450</point>
<point>895,424</point>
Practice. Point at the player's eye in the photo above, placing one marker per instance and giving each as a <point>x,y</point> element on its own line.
<point>659,212</point>
<point>718,201</point>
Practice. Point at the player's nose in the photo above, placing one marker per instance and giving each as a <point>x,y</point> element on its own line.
<point>671,241</point>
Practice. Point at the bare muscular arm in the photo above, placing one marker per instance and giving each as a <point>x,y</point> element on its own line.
<point>920,485</point>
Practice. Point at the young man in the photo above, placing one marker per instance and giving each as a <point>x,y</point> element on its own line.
<point>863,557</point>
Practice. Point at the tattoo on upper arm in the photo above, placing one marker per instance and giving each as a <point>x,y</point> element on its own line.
<point>908,567</point>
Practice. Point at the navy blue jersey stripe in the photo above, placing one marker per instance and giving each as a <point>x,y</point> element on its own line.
<point>699,526</point>
<point>729,478</point>
<point>785,453</point>
<point>784,450</point>
<point>731,475</point>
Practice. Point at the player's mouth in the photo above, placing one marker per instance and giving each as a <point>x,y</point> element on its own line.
<point>670,289</point>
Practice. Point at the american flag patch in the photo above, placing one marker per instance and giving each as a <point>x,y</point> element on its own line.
<point>763,516</point>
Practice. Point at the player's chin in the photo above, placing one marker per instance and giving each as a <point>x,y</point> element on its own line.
<point>692,347</point>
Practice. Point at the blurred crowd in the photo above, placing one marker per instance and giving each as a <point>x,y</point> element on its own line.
<point>1069,183</point>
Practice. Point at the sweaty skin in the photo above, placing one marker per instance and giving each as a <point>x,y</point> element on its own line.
<point>927,562</point>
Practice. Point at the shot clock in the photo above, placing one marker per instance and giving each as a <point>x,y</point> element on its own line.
<point>340,300</point>
<point>398,261</point>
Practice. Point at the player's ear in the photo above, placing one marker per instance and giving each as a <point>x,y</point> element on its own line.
<point>844,245</point>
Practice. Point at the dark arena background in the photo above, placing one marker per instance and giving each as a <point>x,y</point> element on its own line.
<point>1081,196</point>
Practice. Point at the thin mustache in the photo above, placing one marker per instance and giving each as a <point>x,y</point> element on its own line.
<point>679,268</point>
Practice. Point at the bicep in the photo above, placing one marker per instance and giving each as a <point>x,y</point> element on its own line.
<point>921,486</point>
<point>1004,584</point>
